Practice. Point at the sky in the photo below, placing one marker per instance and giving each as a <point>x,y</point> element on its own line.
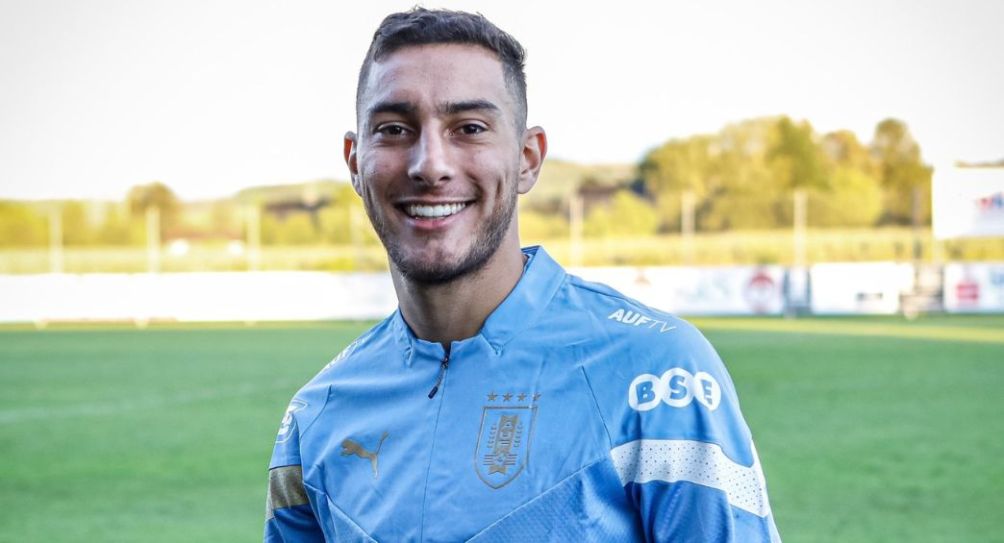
<point>214,96</point>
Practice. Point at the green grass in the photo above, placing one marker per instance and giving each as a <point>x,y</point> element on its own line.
<point>161,434</point>
<point>869,429</point>
<point>881,437</point>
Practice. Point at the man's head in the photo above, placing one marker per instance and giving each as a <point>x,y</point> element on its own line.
<point>442,148</point>
<point>421,26</point>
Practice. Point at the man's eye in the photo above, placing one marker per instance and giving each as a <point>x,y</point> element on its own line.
<point>391,130</point>
<point>471,129</point>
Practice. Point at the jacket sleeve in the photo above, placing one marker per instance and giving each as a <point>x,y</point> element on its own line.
<point>681,447</point>
<point>288,513</point>
<point>689,491</point>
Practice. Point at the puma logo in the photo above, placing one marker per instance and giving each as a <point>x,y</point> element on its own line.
<point>350,447</point>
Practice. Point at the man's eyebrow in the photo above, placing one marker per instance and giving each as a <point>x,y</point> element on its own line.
<point>401,108</point>
<point>452,108</point>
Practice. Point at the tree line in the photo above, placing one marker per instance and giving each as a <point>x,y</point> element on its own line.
<point>742,177</point>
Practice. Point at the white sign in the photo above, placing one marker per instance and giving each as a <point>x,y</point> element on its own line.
<point>974,288</point>
<point>745,290</point>
<point>968,202</point>
<point>871,288</point>
<point>238,296</point>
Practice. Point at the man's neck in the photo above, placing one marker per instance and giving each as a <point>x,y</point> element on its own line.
<point>457,310</point>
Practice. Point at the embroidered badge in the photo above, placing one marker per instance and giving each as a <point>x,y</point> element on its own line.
<point>503,448</point>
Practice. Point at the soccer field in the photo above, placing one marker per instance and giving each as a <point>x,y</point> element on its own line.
<point>869,429</point>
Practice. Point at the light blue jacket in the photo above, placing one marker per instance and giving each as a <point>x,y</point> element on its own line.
<point>576,414</point>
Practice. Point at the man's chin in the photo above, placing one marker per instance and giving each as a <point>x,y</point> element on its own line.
<point>430,273</point>
<point>441,270</point>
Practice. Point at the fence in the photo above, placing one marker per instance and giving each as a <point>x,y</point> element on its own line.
<point>734,248</point>
<point>829,288</point>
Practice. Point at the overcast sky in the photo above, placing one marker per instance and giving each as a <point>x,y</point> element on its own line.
<point>213,96</point>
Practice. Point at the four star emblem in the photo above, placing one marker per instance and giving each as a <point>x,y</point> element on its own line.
<point>508,396</point>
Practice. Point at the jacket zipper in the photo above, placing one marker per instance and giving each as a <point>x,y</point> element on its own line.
<point>442,373</point>
<point>443,365</point>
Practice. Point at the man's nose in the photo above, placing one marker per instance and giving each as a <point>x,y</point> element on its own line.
<point>430,159</point>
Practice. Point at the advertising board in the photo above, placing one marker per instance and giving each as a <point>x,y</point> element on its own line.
<point>974,287</point>
<point>741,290</point>
<point>239,296</point>
<point>859,288</point>
<point>968,202</point>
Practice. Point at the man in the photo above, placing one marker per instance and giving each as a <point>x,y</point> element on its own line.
<point>505,400</point>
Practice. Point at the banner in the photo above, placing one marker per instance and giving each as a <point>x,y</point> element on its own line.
<point>862,288</point>
<point>237,296</point>
<point>968,202</point>
<point>742,290</point>
<point>974,288</point>
<point>843,288</point>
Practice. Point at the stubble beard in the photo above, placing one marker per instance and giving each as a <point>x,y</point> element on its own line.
<point>487,239</point>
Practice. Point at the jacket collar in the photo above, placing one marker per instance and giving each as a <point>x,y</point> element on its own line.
<point>541,278</point>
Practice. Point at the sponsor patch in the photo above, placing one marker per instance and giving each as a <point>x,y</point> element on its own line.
<point>676,387</point>
<point>634,318</point>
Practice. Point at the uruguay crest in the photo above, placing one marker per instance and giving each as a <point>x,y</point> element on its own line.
<point>504,440</point>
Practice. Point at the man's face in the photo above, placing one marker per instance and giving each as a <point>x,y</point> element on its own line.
<point>438,159</point>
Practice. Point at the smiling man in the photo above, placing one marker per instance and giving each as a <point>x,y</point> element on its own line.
<point>505,400</point>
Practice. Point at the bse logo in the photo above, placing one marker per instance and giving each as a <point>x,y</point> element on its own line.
<point>676,388</point>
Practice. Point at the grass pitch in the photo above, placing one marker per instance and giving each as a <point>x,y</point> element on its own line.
<point>869,429</point>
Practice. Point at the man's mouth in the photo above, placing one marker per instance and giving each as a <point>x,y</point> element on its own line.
<point>434,211</point>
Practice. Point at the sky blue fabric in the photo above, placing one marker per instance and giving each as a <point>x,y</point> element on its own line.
<point>575,414</point>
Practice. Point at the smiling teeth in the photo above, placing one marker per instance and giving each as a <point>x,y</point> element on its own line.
<point>434,212</point>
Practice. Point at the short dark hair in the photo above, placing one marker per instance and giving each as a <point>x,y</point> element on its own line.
<point>421,26</point>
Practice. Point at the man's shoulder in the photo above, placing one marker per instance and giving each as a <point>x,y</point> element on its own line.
<point>310,399</point>
<point>378,338</point>
<point>654,375</point>
<point>614,321</point>
<point>630,338</point>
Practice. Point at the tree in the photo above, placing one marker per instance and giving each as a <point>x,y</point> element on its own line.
<point>536,226</point>
<point>22,226</point>
<point>852,198</point>
<point>795,158</point>
<point>901,172</point>
<point>336,219</point>
<point>679,166</point>
<point>76,228</point>
<point>843,150</point>
<point>297,229</point>
<point>744,176</point>
<point>118,229</point>
<point>156,195</point>
<point>625,215</point>
<point>751,194</point>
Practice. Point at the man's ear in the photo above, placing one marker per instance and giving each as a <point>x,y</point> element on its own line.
<point>350,159</point>
<point>533,153</point>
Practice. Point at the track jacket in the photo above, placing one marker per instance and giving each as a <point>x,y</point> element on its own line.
<point>576,414</point>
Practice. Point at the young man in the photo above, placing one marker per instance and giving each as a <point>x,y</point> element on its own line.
<point>505,400</point>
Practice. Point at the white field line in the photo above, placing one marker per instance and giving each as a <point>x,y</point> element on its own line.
<point>113,408</point>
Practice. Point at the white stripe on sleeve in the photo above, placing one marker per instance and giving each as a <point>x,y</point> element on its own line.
<point>672,460</point>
